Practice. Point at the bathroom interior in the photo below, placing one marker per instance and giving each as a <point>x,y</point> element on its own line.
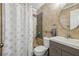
<point>39,29</point>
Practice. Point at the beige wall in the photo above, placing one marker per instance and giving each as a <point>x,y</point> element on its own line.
<point>51,15</point>
<point>48,18</point>
<point>66,12</point>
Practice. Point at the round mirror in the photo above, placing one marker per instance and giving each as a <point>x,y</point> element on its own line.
<point>69,18</point>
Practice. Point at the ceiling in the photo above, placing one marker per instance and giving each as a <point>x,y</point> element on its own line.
<point>36,5</point>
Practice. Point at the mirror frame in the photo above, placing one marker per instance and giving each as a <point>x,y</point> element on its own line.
<point>60,22</point>
<point>60,14</point>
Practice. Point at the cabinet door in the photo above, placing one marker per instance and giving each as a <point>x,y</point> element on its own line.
<point>58,52</point>
<point>54,50</point>
<point>64,53</point>
<point>70,50</point>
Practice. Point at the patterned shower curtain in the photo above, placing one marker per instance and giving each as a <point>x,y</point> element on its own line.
<point>17,29</point>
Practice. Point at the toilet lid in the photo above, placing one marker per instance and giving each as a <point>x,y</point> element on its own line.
<point>40,48</point>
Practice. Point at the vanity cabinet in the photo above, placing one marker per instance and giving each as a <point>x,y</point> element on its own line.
<point>57,49</point>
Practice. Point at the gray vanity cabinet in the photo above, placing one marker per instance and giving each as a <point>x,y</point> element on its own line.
<point>57,49</point>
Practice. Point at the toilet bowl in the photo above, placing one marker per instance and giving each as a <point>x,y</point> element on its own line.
<point>40,50</point>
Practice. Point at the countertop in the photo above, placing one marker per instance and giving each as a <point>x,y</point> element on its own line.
<point>74,43</point>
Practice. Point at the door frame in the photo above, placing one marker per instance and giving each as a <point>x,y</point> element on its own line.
<point>38,15</point>
<point>1,43</point>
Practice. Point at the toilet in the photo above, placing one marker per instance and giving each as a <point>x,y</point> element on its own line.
<point>42,49</point>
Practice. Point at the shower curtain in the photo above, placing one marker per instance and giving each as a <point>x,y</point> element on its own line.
<point>17,29</point>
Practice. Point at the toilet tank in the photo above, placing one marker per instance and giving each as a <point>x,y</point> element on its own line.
<point>46,42</point>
